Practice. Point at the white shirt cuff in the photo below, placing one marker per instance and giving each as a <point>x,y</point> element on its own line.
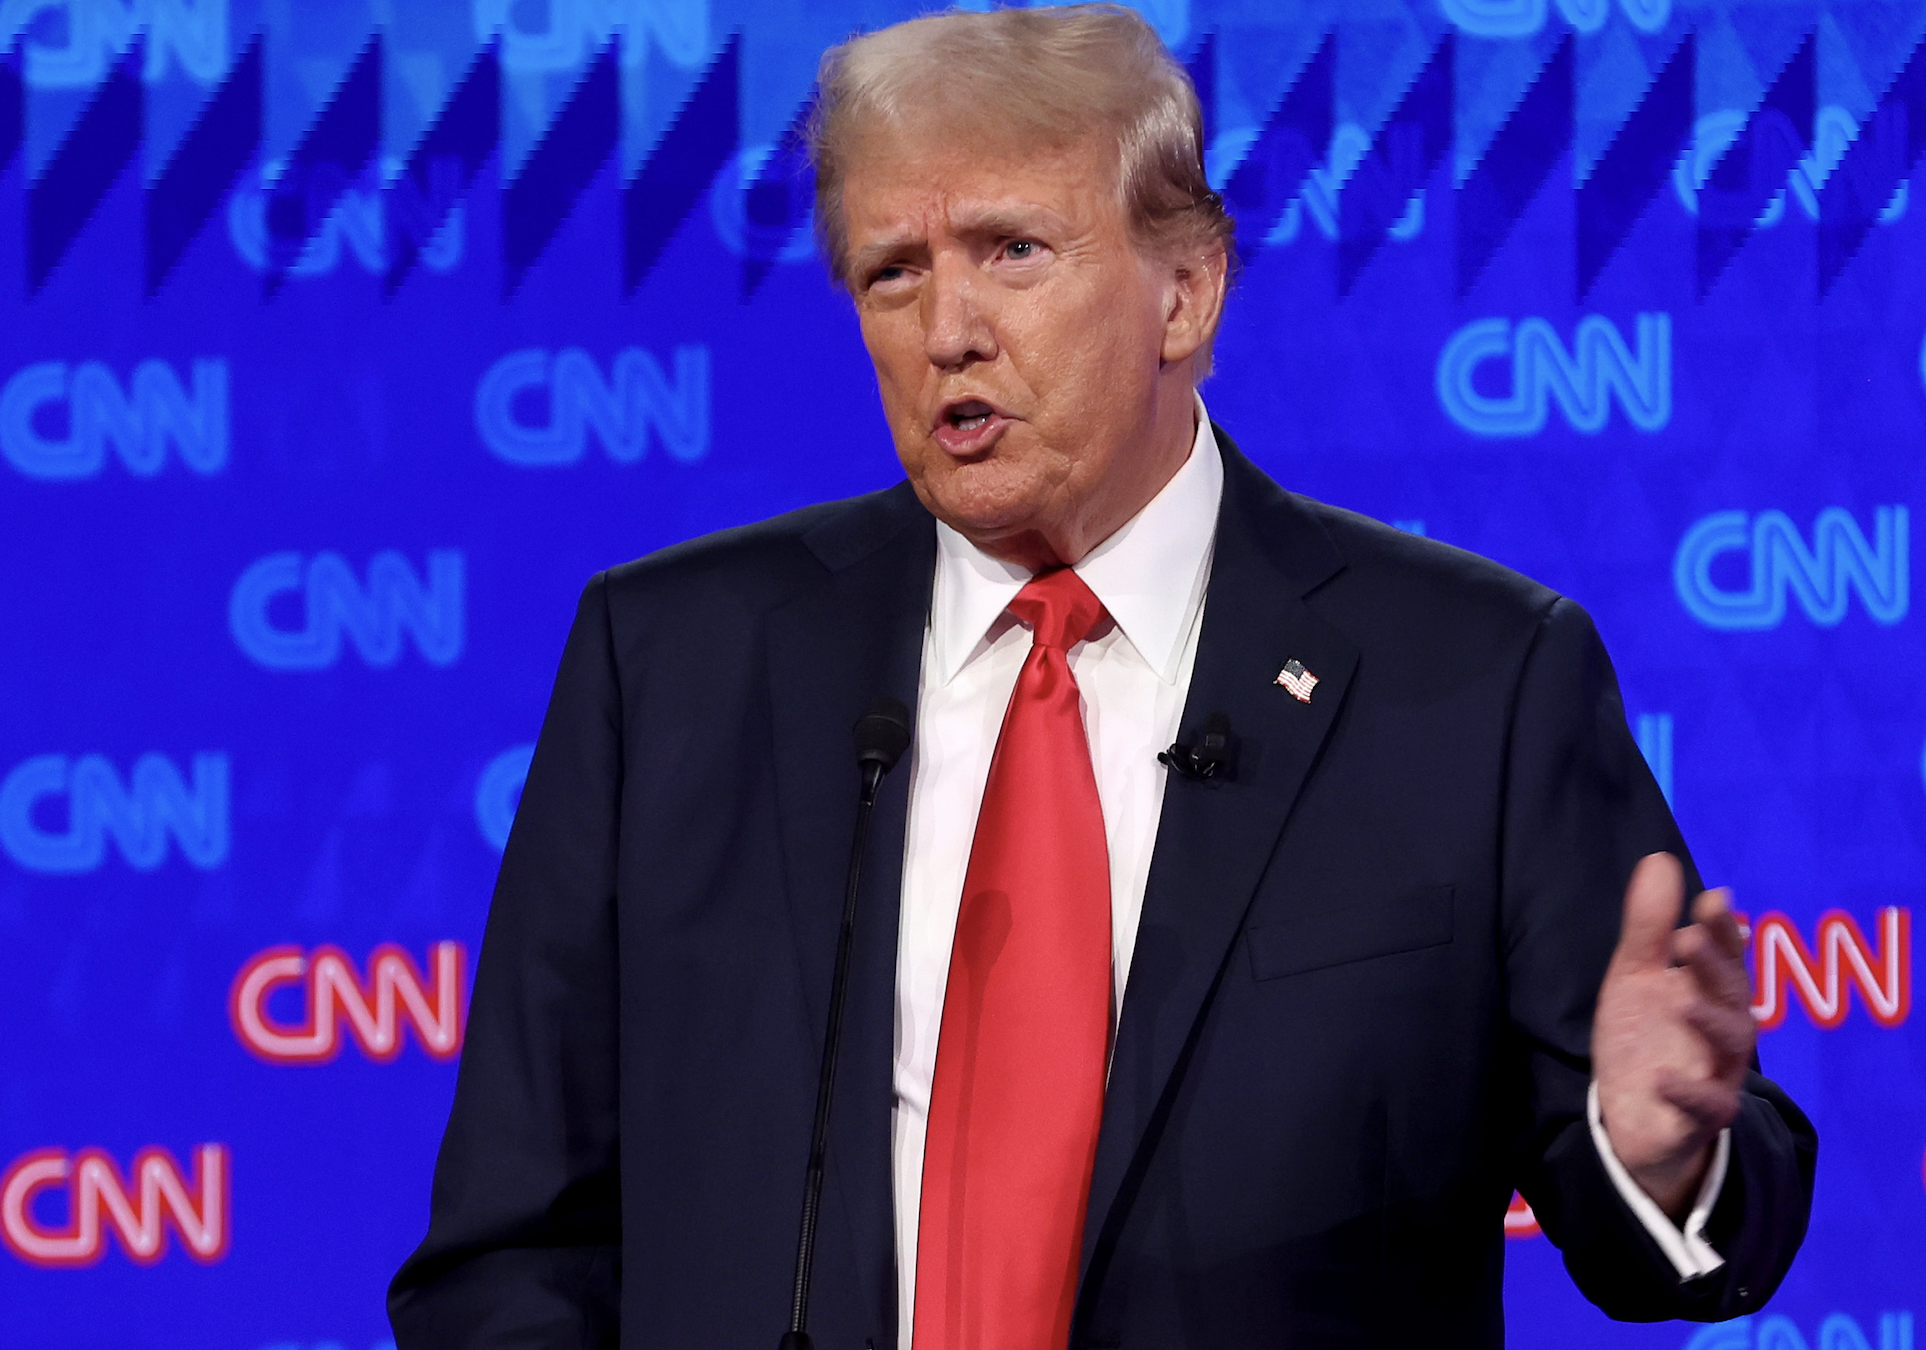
<point>1690,1254</point>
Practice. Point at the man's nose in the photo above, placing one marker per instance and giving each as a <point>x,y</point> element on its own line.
<point>957,327</point>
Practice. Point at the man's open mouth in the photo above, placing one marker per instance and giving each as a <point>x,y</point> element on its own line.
<point>969,414</point>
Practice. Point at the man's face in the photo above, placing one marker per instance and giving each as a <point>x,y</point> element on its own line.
<point>1023,341</point>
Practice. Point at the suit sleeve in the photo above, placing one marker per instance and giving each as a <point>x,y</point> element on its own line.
<point>524,1234</point>
<point>1580,809</point>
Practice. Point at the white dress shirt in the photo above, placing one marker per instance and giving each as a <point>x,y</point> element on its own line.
<point>1133,673</point>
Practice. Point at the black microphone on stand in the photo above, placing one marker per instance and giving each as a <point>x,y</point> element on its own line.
<point>882,735</point>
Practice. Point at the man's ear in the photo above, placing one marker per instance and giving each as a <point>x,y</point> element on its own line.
<point>1194,301</point>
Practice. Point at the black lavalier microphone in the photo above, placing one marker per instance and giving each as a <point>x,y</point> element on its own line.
<point>882,735</point>
<point>1215,756</point>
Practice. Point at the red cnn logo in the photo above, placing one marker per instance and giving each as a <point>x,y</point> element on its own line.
<point>1840,958</point>
<point>374,1008</point>
<point>139,1214</point>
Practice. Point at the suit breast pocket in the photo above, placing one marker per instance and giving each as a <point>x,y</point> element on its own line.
<point>1317,936</point>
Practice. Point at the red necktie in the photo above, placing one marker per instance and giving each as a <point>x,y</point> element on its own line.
<point>1018,1091</point>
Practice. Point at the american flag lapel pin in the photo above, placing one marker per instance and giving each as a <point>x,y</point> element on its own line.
<point>1298,680</point>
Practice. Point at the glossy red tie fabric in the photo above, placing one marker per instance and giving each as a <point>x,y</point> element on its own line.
<point>1018,1092</point>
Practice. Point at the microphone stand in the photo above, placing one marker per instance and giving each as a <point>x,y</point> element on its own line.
<point>882,734</point>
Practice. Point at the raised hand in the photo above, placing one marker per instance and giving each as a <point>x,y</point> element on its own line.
<point>1673,1034</point>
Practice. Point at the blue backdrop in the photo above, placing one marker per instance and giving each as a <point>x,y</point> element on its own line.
<point>341,342</point>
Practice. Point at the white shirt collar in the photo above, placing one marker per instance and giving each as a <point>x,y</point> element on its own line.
<point>1150,574</point>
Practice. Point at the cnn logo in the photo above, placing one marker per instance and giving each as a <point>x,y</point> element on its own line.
<point>137,1209</point>
<point>1840,959</point>
<point>335,996</point>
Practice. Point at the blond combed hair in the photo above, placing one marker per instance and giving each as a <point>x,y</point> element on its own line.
<point>1058,75</point>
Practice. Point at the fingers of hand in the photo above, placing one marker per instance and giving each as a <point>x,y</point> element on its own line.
<point>1675,1032</point>
<point>1671,1056</point>
<point>1718,971</point>
<point>1700,1022</point>
<point>1728,1032</point>
<point>1713,912</point>
<point>1653,900</point>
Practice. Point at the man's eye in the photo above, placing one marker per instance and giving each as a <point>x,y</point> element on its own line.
<point>1020,249</point>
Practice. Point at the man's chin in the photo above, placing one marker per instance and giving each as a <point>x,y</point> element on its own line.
<point>982,518</point>
<point>988,502</point>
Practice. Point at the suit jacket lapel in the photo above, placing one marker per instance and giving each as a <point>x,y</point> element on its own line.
<point>849,638</point>
<point>1215,838</point>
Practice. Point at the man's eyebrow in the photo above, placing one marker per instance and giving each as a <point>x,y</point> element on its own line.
<point>873,255</point>
<point>990,218</point>
<point>1003,218</point>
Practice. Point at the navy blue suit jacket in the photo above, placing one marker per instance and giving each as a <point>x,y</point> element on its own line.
<point>1359,1010</point>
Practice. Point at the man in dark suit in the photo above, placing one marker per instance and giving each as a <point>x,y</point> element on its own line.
<point>1131,1058</point>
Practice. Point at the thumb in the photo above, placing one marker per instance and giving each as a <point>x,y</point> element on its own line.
<point>1653,902</point>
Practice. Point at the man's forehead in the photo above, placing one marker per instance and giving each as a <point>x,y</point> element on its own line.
<point>959,189</point>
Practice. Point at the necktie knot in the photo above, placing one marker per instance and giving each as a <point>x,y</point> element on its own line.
<point>1060,609</point>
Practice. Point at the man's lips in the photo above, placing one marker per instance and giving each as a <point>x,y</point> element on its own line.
<point>967,426</point>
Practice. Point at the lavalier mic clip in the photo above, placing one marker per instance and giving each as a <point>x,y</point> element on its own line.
<point>1214,756</point>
